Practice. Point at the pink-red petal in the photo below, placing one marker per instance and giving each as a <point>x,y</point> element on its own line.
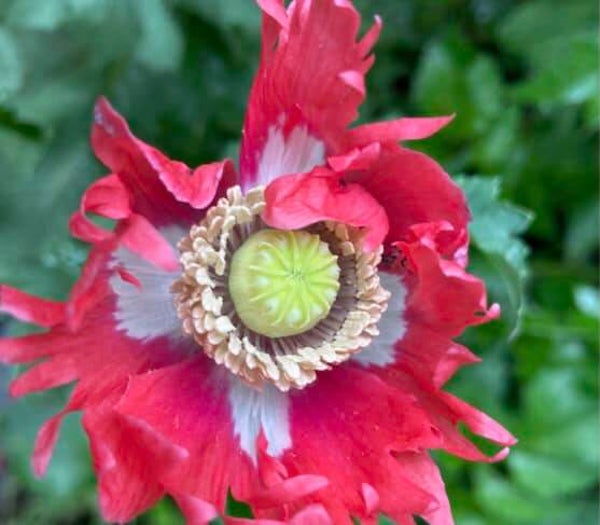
<point>125,464</point>
<point>107,197</point>
<point>296,201</point>
<point>161,190</point>
<point>196,511</point>
<point>30,309</point>
<point>142,238</point>
<point>194,187</point>
<point>405,128</point>
<point>311,75</point>
<point>415,189</point>
<point>350,440</point>
<point>443,296</point>
<point>189,408</point>
<point>311,515</point>
<point>45,375</point>
<point>445,417</point>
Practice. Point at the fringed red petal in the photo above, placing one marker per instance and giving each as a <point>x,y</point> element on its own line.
<point>30,309</point>
<point>342,438</point>
<point>161,190</point>
<point>196,511</point>
<point>295,201</point>
<point>45,443</point>
<point>446,418</point>
<point>194,187</point>
<point>443,296</point>
<point>190,409</point>
<point>45,375</point>
<point>405,128</point>
<point>288,490</point>
<point>107,197</point>
<point>311,515</point>
<point>27,348</point>
<point>142,238</point>
<point>414,189</point>
<point>311,75</point>
<point>125,464</point>
<point>431,357</point>
<point>480,423</point>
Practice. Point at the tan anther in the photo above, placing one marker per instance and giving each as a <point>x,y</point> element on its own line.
<point>208,314</point>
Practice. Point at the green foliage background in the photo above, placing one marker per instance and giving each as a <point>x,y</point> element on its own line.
<point>522,78</point>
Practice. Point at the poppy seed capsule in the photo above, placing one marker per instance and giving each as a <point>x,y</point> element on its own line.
<point>283,282</point>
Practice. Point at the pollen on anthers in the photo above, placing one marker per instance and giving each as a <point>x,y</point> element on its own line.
<point>276,306</point>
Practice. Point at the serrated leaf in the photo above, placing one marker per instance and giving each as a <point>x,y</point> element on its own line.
<point>494,229</point>
<point>496,225</point>
<point>437,68</point>
<point>237,508</point>
<point>497,148</point>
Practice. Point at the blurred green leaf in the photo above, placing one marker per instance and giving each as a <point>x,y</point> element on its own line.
<point>506,504</point>
<point>161,45</point>
<point>237,508</point>
<point>550,477</point>
<point>495,228</point>
<point>11,77</point>
<point>567,72</point>
<point>51,14</point>
<point>534,23</point>
<point>227,13</point>
<point>587,300</point>
<point>559,42</point>
<point>581,236</point>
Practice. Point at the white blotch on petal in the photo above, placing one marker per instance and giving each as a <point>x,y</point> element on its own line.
<point>253,410</point>
<point>392,325</point>
<point>299,152</point>
<point>147,312</point>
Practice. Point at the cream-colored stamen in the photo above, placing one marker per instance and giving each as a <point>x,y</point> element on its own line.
<point>208,314</point>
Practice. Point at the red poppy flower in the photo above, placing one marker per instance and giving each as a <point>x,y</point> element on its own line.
<point>284,334</point>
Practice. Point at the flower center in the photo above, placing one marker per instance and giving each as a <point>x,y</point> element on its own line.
<point>276,306</point>
<point>283,283</point>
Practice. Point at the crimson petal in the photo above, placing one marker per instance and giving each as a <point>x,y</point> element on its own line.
<point>415,189</point>
<point>405,128</point>
<point>295,201</point>
<point>311,77</point>
<point>162,190</point>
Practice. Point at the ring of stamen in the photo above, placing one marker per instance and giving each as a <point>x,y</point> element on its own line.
<point>208,313</point>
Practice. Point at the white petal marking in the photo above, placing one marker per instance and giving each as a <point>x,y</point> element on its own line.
<point>298,153</point>
<point>253,410</point>
<point>392,325</point>
<point>147,312</point>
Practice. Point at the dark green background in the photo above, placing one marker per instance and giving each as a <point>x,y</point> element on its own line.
<point>522,78</point>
